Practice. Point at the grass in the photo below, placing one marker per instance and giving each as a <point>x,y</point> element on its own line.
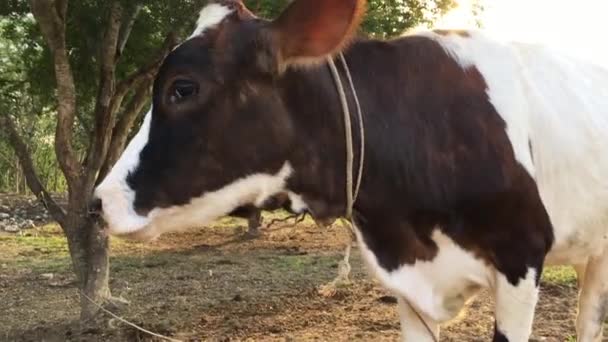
<point>301,263</point>
<point>563,275</point>
<point>45,250</point>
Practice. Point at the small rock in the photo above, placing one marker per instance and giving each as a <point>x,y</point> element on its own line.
<point>27,224</point>
<point>47,276</point>
<point>237,298</point>
<point>4,216</point>
<point>11,228</point>
<point>387,300</point>
<point>275,330</point>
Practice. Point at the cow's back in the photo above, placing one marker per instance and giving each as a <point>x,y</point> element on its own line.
<point>568,101</point>
<point>556,111</point>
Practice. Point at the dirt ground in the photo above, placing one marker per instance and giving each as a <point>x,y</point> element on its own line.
<point>215,284</point>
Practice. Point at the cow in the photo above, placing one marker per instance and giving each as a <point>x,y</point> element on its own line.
<point>484,160</point>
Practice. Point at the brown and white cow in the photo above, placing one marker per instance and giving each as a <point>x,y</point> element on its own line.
<point>484,160</point>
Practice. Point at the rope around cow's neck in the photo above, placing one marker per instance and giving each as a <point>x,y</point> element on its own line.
<point>351,195</point>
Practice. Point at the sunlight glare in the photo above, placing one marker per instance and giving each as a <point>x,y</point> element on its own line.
<point>578,28</point>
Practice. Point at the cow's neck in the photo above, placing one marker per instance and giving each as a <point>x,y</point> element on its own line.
<point>391,82</point>
<point>319,159</point>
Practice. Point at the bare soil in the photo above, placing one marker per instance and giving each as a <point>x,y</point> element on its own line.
<point>217,284</point>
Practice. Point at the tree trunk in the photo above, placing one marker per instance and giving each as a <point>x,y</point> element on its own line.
<point>97,281</point>
<point>89,250</point>
<point>254,221</point>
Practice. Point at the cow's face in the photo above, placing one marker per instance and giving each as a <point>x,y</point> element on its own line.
<point>218,135</point>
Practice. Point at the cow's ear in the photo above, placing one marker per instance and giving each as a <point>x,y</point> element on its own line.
<point>308,31</point>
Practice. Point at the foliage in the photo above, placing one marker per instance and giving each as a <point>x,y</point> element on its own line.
<point>389,18</point>
<point>18,40</point>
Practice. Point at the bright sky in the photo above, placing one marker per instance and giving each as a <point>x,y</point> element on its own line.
<point>579,27</point>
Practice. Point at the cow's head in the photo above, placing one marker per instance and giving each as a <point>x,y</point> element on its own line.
<point>218,135</point>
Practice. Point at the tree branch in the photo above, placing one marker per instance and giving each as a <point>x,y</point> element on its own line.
<point>31,177</point>
<point>83,123</point>
<point>123,126</point>
<point>127,26</point>
<point>151,68</point>
<point>103,108</point>
<point>50,16</point>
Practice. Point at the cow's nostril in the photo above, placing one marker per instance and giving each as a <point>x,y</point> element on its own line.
<point>95,206</point>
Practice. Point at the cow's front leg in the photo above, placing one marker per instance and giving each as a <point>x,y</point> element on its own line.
<point>515,300</point>
<point>412,328</point>
<point>593,299</point>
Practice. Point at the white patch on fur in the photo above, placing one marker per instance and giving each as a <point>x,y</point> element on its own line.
<point>559,105</point>
<point>116,195</point>
<point>210,16</point>
<point>298,205</point>
<point>253,189</point>
<point>412,328</point>
<point>515,306</point>
<point>438,288</point>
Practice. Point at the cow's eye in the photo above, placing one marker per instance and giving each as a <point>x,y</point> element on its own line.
<point>182,89</point>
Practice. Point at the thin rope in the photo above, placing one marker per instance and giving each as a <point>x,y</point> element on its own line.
<point>127,322</point>
<point>361,129</point>
<point>350,197</point>
<point>348,136</point>
<point>430,331</point>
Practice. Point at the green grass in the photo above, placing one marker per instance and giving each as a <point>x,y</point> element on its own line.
<point>563,275</point>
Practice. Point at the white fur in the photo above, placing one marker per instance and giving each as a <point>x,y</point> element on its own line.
<point>515,305</point>
<point>298,205</point>
<point>412,328</point>
<point>116,195</point>
<point>437,288</point>
<point>210,16</point>
<point>253,189</point>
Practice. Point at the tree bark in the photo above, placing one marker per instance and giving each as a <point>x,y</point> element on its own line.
<point>254,221</point>
<point>50,16</point>
<point>97,278</point>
